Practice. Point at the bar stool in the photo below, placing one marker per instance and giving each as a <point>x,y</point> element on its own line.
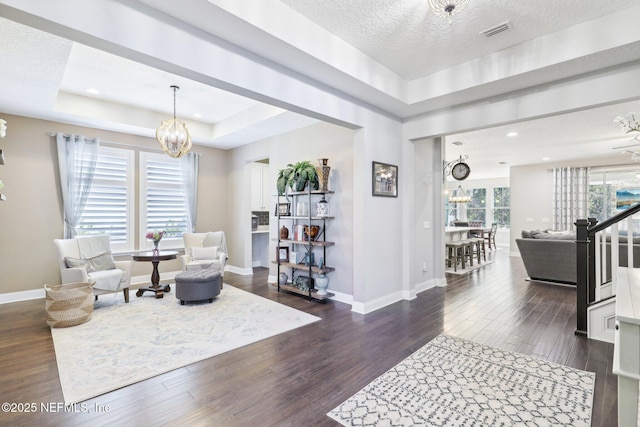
<point>456,253</point>
<point>478,244</point>
<point>468,245</point>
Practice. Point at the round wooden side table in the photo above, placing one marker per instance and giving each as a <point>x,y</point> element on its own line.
<point>155,258</point>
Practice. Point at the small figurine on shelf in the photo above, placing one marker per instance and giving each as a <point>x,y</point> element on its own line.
<point>322,208</point>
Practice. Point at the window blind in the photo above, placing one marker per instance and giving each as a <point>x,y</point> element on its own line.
<point>108,209</point>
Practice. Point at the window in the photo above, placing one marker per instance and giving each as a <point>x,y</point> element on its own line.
<point>477,208</point>
<point>502,206</point>
<point>109,208</point>
<point>162,201</point>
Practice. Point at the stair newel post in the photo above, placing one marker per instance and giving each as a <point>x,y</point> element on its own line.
<point>582,275</point>
<point>591,261</point>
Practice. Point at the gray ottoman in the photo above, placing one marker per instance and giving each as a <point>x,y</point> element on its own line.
<point>197,285</point>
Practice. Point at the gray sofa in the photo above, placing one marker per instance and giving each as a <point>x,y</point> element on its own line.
<point>551,256</point>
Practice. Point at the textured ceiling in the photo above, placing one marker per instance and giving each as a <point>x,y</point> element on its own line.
<point>406,37</point>
<point>399,44</point>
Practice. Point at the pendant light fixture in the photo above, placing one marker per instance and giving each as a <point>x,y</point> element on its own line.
<point>459,196</point>
<point>447,8</point>
<point>173,135</point>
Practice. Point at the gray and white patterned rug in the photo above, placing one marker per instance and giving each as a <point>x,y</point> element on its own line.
<point>454,382</point>
<point>126,343</point>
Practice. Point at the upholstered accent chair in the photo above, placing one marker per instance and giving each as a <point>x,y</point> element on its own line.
<point>204,250</point>
<point>89,259</point>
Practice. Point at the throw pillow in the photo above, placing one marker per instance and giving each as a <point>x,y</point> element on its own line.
<point>78,263</point>
<point>102,262</point>
<point>559,232</point>
<point>208,253</point>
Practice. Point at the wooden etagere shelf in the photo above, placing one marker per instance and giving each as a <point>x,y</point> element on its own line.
<point>307,245</point>
<point>313,268</point>
<point>307,242</point>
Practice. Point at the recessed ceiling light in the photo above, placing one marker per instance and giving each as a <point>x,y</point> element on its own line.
<point>93,91</point>
<point>197,115</point>
<point>510,134</point>
<point>546,158</point>
<point>458,143</point>
<point>502,163</point>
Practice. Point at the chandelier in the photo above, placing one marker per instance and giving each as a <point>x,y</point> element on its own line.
<point>447,8</point>
<point>459,196</point>
<point>173,135</point>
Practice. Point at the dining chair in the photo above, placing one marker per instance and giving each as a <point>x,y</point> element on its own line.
<point>490,235</point>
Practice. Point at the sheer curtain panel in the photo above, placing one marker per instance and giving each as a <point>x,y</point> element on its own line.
<point>570,196</point>
<point>189,166</point>
<point>77,158</point>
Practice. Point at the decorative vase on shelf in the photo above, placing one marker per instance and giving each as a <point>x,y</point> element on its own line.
<point>311,231</point>
<point>322,282</point>
<point>323,174</point>
<point>282,279</point>
<point>284,233</point>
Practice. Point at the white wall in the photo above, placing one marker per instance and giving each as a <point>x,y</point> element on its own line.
<point>322,140</point>
<point>424,269</point>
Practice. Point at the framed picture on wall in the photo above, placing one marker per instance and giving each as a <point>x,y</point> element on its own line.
<point>384,180</point>
<point>627,197</point>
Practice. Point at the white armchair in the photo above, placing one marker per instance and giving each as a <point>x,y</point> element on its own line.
<point>204,250</point>
<point>89,259</point>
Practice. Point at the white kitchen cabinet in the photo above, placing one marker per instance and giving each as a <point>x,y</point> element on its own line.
<point>259,186</point>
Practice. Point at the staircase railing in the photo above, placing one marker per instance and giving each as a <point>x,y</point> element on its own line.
<point>597,246</point>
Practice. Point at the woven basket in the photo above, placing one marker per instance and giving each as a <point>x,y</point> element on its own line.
<point>69,305</point>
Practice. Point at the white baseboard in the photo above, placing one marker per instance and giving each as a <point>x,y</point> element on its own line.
<point>337,296</point>
<point>431,283</point>
<point>136,282</point>
<point>239,270</point>
<point>10,297</point>
<point>383,301</point>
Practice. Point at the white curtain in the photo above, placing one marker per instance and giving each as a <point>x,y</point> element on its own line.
<point>77,159</point>
<point>570,196</point>
<point>189,165</point>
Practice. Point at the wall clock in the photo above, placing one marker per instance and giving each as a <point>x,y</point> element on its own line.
<point>460,171</point>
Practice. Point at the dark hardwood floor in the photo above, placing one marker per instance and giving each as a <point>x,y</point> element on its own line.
<point>295,378</point>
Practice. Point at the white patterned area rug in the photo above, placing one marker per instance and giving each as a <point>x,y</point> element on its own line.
<point>453,382</point>
<point>468,268</point>
<point>126,343</point>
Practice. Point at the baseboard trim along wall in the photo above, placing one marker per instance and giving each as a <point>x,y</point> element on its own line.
<point>337,296</point>
<point>22,296</point>
<point>136,282</point>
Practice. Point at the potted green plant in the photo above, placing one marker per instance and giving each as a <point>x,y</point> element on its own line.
<point>297,176</point>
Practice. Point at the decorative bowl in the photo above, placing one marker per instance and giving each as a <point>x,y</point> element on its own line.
<point>312,231</point>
